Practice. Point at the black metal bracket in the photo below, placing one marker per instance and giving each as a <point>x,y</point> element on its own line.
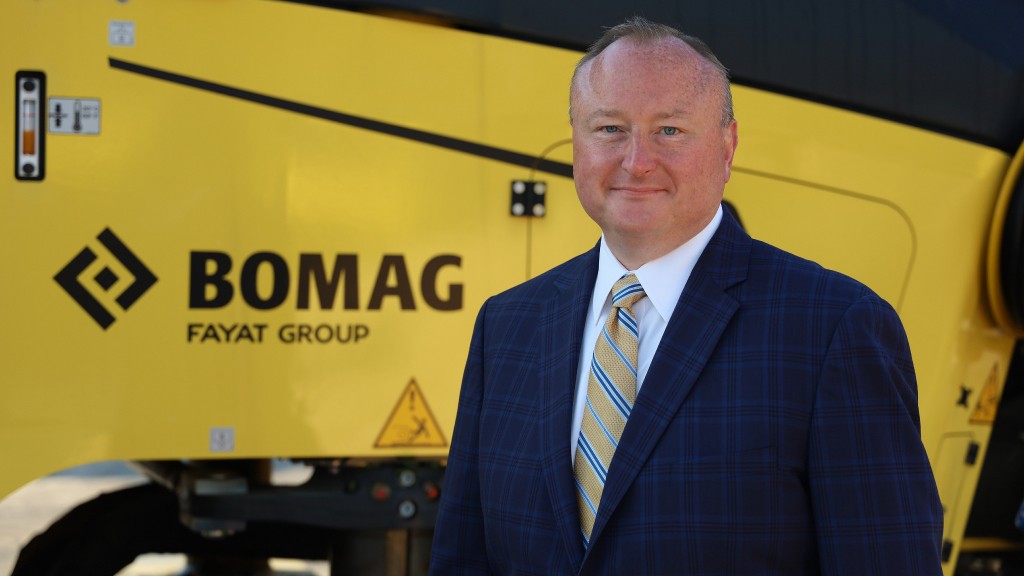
<point>528,198</point>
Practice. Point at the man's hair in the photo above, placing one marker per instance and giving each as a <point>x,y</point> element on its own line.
<point>644,31</point>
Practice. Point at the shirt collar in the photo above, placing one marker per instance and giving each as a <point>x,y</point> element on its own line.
<point>663,279</point>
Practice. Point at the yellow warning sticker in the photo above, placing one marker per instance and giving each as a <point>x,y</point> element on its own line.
<point>411,423</point>
<point>985,411</point>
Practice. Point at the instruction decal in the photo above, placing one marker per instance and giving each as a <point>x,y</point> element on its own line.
<point>74,116</point>
<point>121,33</point>
<point>222,439</point>
<point>411,423</point>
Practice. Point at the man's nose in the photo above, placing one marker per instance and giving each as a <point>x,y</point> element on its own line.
<point>638,158</point>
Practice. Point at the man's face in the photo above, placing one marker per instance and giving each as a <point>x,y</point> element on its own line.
<point>650,154</point>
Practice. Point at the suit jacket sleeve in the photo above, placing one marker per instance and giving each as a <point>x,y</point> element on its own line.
<point>874,498</point>
<point>459,533</point>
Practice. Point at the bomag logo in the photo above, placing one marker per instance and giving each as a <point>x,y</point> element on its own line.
<point>265,282</point>
<point>211,287</point>
<point>317,284</point>
<point>70,277</point>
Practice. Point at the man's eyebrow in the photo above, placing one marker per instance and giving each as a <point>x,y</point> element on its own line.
<point>605,113</point>
<point>676,113</point>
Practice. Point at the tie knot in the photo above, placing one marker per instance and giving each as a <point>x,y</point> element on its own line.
<point>626,292</point>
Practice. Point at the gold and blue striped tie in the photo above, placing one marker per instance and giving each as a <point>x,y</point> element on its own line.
<point>611,391</point>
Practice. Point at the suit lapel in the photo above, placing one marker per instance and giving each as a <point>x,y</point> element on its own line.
<point>562,329</point>
<point>701,316</point>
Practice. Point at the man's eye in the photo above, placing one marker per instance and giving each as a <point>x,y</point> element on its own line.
<point>610,129</point>
<point>669,131</point>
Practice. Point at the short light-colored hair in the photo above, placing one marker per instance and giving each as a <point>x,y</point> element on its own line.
<point>644,31</point>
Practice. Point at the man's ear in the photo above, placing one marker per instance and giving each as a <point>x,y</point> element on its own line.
<point>729,147</point>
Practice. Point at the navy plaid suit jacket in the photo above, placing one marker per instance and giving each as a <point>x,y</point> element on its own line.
<point>777,432</point>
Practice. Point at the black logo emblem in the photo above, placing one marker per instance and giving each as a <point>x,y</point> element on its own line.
<point>69,279</point>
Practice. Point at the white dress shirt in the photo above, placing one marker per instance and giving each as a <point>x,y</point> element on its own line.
<point>663,281</point>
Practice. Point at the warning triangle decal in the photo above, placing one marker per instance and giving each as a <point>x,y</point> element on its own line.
<point>985,411</point>
<point>411,424</point>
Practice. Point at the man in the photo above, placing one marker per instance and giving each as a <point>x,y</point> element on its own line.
<point>682,399</point>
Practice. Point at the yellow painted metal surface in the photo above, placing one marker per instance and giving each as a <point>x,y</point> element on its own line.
<point>208,164</point>
<point>179,170</point>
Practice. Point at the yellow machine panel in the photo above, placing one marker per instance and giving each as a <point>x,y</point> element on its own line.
<point>307,235</point>
<point>257,229</point>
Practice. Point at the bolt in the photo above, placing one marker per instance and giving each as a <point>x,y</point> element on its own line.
<point>407,509</point>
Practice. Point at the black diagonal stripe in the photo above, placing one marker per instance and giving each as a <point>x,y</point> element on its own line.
<point>433,139</point>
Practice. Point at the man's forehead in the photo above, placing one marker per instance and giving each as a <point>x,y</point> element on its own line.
<point>661,52</point>
<point>669,59</point>
<point>626,67</point>
<point>618,67</point>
